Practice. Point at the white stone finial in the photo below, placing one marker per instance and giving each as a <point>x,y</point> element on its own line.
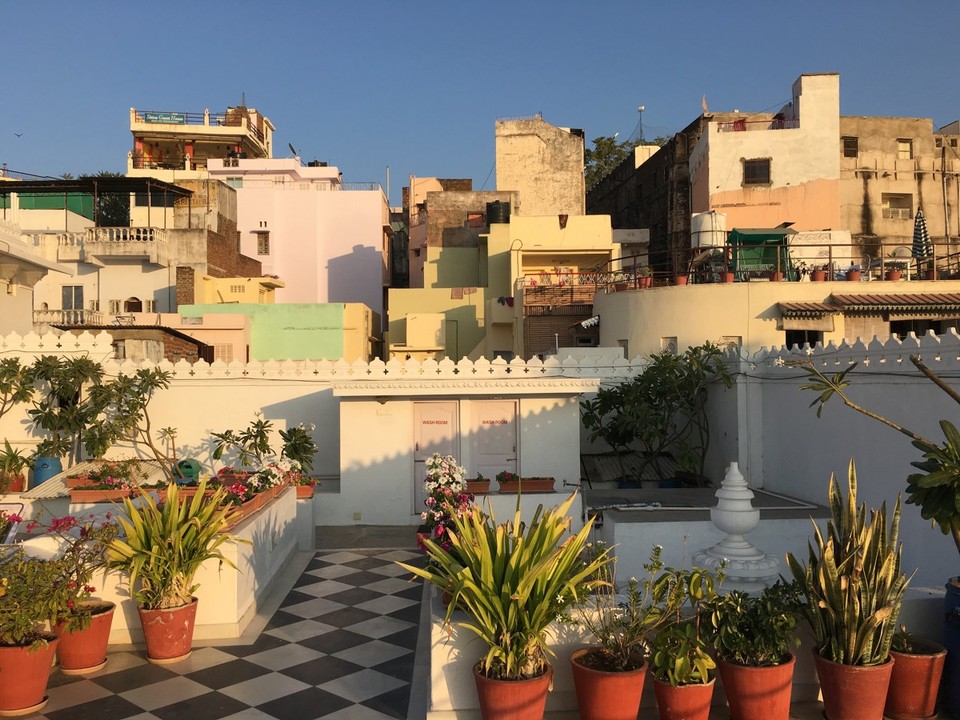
<point>746,567</point>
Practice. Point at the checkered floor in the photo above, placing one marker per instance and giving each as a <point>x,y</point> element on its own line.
<point>341,645</point>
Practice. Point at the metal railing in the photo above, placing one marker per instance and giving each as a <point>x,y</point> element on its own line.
<point>744,125</point>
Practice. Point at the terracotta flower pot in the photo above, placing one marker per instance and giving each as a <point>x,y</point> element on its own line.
<point>23,678</point>
<point>853,692</point>
<point>728,277</point>
<point>304,492</point>
<point>513,699</point>
<point>915,682</point>
<point>85,651</point>
<point>758,693</point>
<point>818,275</point>
<point>645,282</point>
<point>685,702</point>
<point>680,280</point>
<point>606,695</point>
<point>854,275</point>
<point>478,487</point>
<point>892,275</point>
<point>168,633</point>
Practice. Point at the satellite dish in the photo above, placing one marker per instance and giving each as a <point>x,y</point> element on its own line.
<point>293,150</point>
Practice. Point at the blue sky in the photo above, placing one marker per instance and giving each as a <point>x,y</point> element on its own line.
<point>417,86</point>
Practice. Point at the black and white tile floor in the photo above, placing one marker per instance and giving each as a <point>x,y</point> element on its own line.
<point>342,644</point>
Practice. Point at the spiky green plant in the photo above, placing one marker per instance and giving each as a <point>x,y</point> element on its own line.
<point>164,544</point>
<point>512,580</point>
<point>852,580</point>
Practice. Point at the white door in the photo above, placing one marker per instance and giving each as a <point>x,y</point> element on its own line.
<point>436,430</point>
<point>493,437</point>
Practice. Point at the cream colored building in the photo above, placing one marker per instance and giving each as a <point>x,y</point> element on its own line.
<point>757,315</point>
<point>20,270</point>
<point>767,169</point>
<point>543,163</point>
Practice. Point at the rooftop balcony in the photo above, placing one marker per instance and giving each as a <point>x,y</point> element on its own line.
<point>96,244</point>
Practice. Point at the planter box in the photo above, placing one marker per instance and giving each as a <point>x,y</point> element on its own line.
<point>529,485</point>
<point>478,487</point>
<point>304,492</point>
<point>82,495</point>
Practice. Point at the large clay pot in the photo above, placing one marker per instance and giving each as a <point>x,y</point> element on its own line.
<point>915,682</point>
<point>685,702</point>
<point>606,695</point>
<point>951,639</point>
<point>85,651</point>
<point>853,692</point>
<point>758,693</point>
<point>23,678</point>
<point>168,633</point>
<point>513,699</point>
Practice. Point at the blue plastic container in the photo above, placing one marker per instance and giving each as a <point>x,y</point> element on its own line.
<point>45,468</point>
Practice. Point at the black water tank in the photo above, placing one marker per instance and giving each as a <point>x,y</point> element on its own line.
<point>498,212</point>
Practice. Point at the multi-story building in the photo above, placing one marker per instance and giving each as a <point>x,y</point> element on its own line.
<point>327,239</point>
<point>20,270</point>
<point>119,271</point>
<point>805,167</point>
<point>176,146</point>
<point>498,282</point>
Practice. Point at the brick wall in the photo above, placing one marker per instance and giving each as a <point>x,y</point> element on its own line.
<point>538,330</point>
<point>186,286</point>
<point>224,258</point>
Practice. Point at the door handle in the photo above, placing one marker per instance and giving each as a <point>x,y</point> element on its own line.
<point>417,447</point>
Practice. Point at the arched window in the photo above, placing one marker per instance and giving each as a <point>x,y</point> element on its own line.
<point>132,305</point>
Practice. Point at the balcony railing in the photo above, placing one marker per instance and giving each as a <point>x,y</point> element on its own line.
<point>744,125</point>
<point>68,317</point>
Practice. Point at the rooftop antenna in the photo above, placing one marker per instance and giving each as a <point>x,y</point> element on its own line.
<point>243,99</point>
<point>640,110</point>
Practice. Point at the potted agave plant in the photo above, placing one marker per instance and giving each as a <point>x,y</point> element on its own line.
<point>161,549</point>
<point>853,586</point>
<point>609,676</point>
<point>512,579</point>
<point>752,636</point>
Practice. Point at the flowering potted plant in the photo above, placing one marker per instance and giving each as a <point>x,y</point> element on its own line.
<point>81,622</point>
<point>26,646</point>
<point>9,524</point>
<point>446,496</point>
<point>478,485</point>
<point>510,482</point>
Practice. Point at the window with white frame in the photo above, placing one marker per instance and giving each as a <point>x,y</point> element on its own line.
<point>897,206</point>
<point>904,149</point>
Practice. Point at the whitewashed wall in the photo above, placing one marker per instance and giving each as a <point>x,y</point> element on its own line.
<point>782,444</point>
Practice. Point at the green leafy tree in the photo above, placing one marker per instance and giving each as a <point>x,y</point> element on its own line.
<point>606,154</point>
<point>112,209</point>
<point>663,410</point>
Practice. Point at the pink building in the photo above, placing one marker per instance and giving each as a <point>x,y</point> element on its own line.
<point>325,238</point>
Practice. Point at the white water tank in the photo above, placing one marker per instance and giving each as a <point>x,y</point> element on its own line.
<point>708,229</point>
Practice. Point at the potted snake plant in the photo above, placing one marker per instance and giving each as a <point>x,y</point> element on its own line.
<point>512,580</point>
<point>853,586</point>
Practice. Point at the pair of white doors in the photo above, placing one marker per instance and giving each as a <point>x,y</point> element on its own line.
<point>490,432</point>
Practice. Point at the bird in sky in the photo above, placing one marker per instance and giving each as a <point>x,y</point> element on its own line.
<point>19,134</point>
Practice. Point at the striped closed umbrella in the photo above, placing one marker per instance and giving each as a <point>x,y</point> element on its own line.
<point>922,246</point>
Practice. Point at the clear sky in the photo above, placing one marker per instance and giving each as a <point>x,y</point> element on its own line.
<point>418,85</point>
